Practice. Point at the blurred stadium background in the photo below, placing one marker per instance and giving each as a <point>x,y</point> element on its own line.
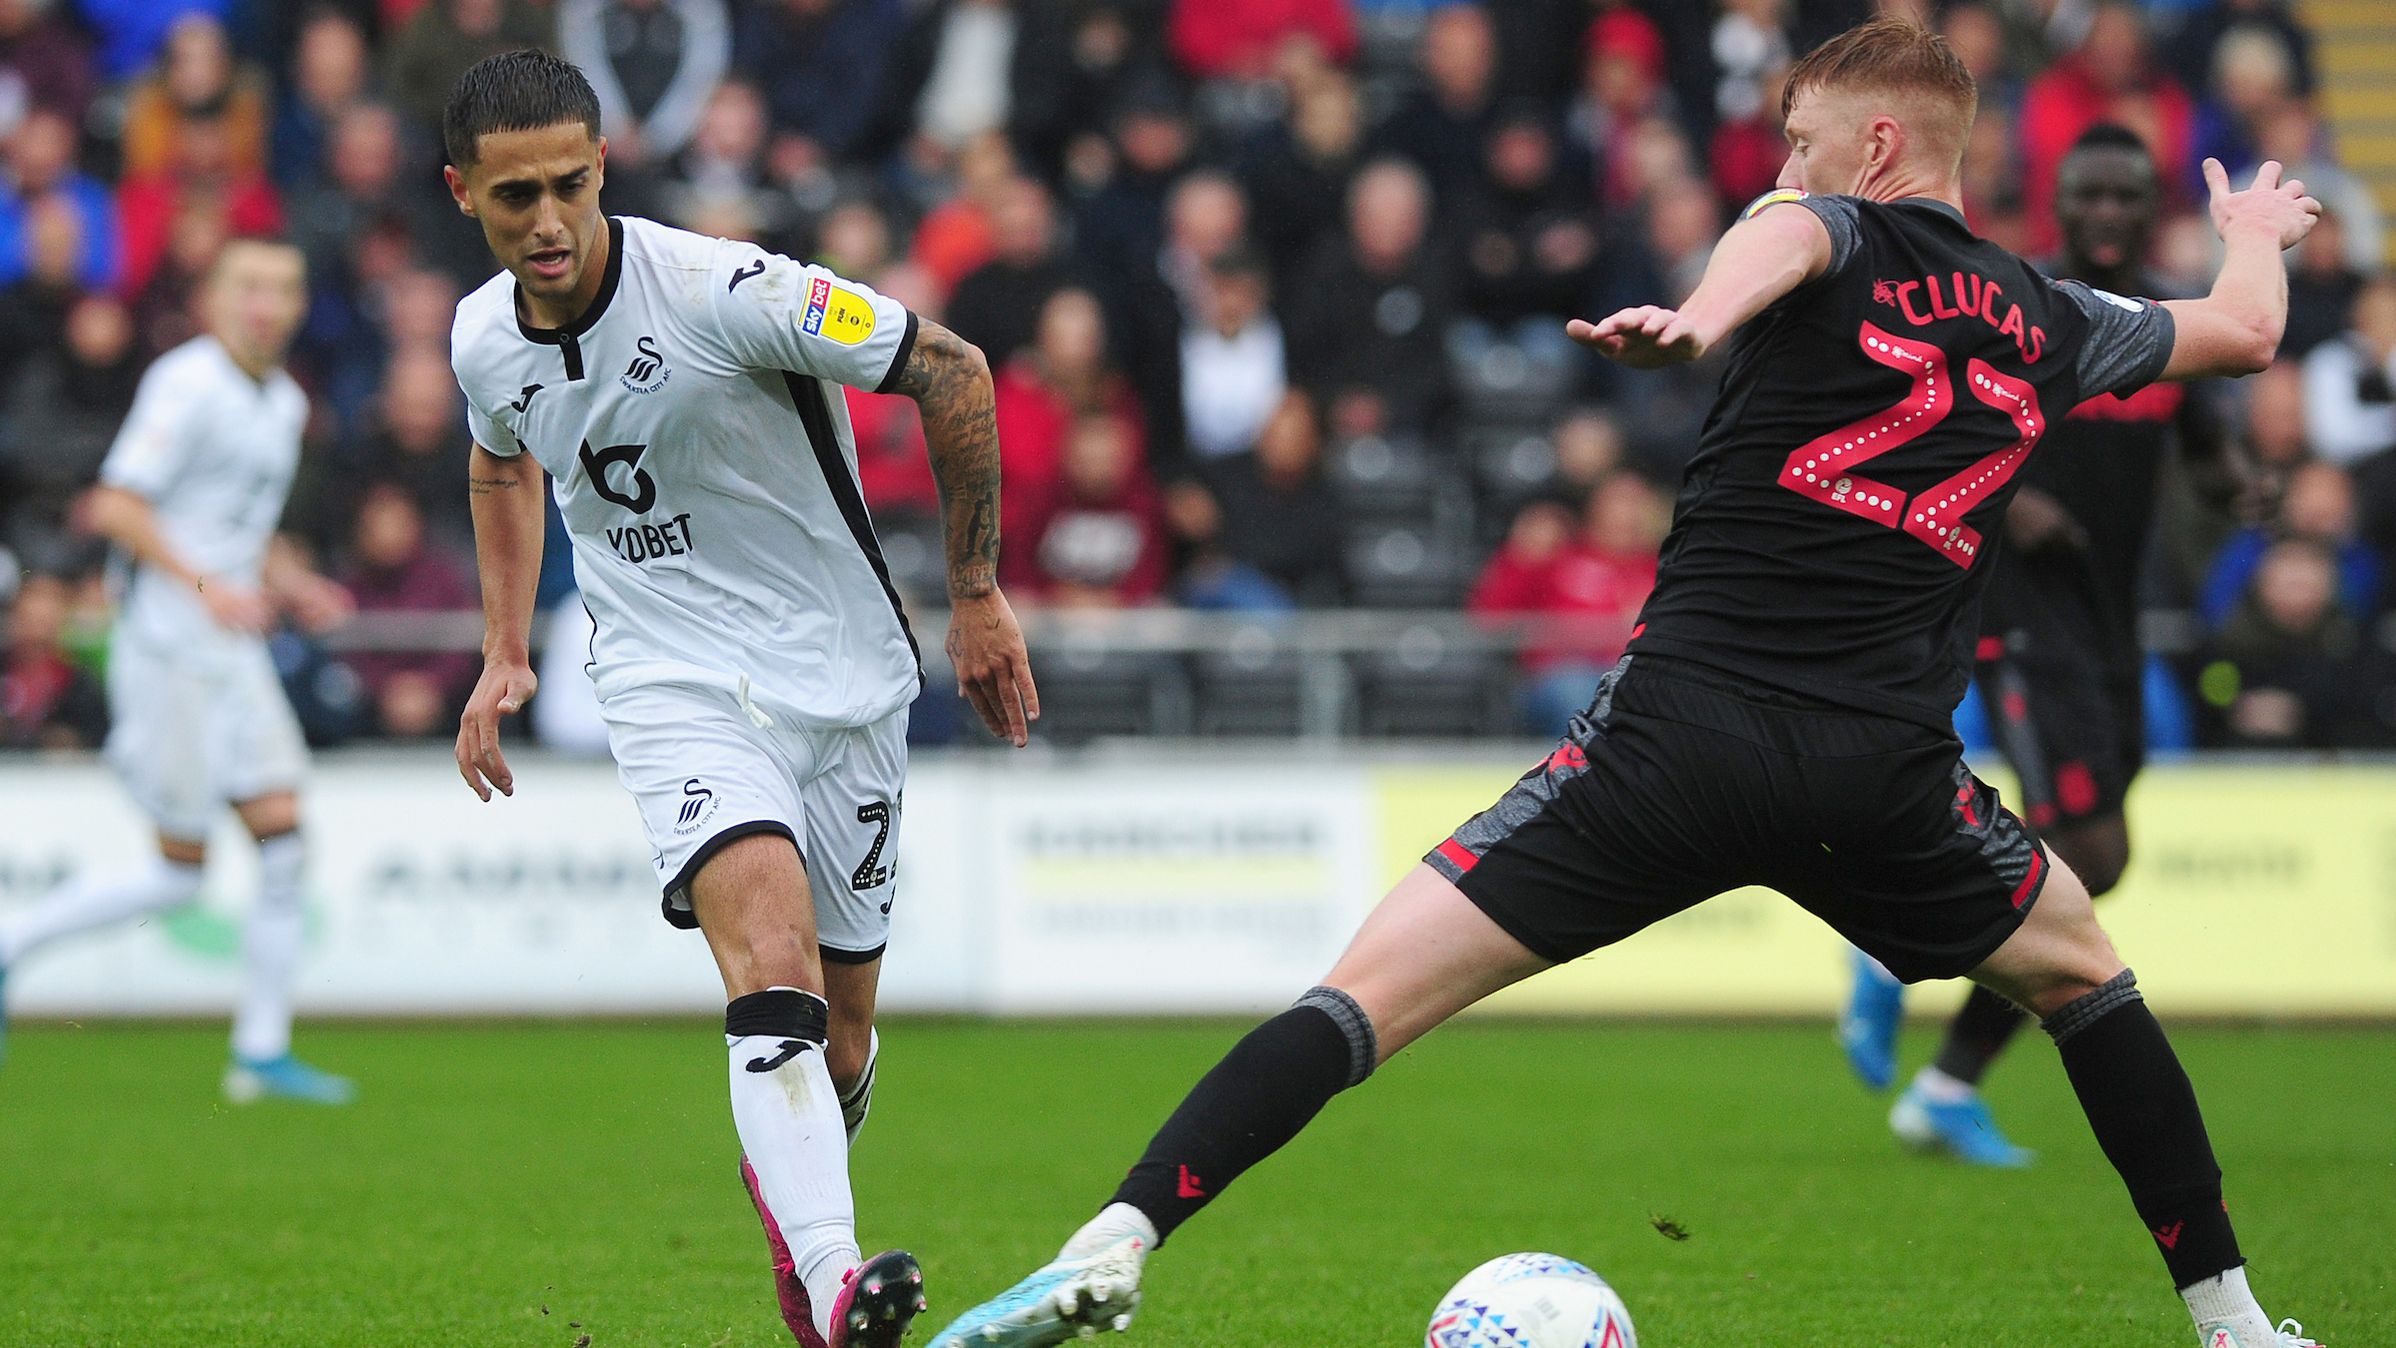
<point>1319,525</point>
<point>1319,529</point>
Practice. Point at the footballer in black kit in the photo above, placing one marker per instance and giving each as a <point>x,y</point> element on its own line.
<point>2060,667</point>
<point>1783,716</point>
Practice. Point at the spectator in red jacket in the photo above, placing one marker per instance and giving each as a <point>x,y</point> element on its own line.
<point>2111,77</point>
<point>204,178</point>
<point>1238,39</point>
<point>46,701</point>
<point>1594,584</point>
<point>1062,377</point>
<point>1097,538</point>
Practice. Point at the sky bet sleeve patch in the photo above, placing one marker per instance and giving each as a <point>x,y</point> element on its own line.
<point>837,313</point>
<point>1772,198</point>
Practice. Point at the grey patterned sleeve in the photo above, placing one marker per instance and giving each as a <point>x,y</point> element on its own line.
<point>2128,344</point>
<point>1840,217</point>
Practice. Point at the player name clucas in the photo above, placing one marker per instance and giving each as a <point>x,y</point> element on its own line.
<point>1965,295</point>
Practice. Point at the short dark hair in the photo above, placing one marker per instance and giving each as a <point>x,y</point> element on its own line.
<point>515,91</point>
<point>2111,136</point>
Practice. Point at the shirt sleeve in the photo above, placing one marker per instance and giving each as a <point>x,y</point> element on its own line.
<point>2128,343</point>
<point>487,431</point>
<point>1837,214</point>
<point>776,314</point>
<point>150,449</point>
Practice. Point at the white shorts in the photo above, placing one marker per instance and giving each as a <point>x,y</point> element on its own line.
<point>195,729</point>
<point>704,775</point>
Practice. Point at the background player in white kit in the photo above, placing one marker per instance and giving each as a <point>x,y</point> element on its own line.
<point>191,493</point>
<point>751,657</point>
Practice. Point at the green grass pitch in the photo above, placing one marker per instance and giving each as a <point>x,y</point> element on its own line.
<point>531,1183</point>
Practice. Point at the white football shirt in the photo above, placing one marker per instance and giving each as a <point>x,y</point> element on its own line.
<point>213,451</point>
<point>706,475</point>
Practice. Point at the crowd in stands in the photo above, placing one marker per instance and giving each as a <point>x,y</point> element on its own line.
<point>1273,289</point>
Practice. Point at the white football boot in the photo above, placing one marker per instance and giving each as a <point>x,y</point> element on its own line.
<point>1093,1284</point>
<point>2289,1335</point>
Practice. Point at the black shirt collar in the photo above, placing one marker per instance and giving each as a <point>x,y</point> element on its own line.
<point>568,339</point>
<point>1933,204</point>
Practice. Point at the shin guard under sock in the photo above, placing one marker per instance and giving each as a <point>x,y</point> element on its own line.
<point>1269,1086</point>
<point>1979,1032</point>
<point>2144,1113</point>
<point>788,1116</point>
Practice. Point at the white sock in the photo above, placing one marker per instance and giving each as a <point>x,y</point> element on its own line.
<point>1942,1089</point>
<point>1113,1223</point>
<point>2223,1301</point>
<point>88,901</point>
<point>788,1117</point>
<point>270,951</point>
<point>859,1100</point>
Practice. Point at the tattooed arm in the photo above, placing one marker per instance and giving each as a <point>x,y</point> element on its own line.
<point>949,379</point>
<point>508,523</point>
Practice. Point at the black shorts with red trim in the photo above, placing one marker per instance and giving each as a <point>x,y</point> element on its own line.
<point>1680,783</point>
<point>2065,700</point>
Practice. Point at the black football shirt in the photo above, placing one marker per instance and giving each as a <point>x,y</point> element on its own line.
<point>2102,463</point>
<point>1835,528</point>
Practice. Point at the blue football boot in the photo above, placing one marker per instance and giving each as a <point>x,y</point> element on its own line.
<point>1067,1299</point>
<point>285,1078</point>
<point>1962,1129</point>
<point>1868,1028</point>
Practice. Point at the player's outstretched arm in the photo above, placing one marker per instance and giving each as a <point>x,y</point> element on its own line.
<point>1757,261</point>
<point>2236,329</point>
<point>949,379</point>
<point>314,601</point>
<point>505,493</point>
<point>127,519</point>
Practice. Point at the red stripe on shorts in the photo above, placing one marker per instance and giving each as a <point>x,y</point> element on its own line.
<point>2021,892</point>
<point>1459,854</point>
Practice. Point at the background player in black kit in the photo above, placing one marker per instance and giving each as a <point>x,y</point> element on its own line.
<point>2060,668</point>
<point>1783,715</point>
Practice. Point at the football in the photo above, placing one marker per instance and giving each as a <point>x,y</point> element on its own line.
<point>1531,1301</point>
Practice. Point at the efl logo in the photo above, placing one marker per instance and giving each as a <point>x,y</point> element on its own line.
<point>836,314</point>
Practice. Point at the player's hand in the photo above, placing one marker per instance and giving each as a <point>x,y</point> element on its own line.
<point>235,607</point>
<point>503,690</point>
<point>318,604</point>
<point>1647,337</point>
<point>994,671</point>
<point>2282,208</point>
<point>2036,522</point>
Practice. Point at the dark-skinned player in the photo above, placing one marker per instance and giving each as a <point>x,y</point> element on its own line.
<point>2059,664</point>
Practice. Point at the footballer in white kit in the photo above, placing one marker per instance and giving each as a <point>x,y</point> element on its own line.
<point>753,662</point>
<point>191,493</point>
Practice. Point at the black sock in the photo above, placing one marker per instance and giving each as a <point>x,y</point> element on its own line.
<point>1977,1035</point>
<point>1269,1086</point>
<point>2144,1114</point>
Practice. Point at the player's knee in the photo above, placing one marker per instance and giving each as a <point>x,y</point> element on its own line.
<point>2098,852</point>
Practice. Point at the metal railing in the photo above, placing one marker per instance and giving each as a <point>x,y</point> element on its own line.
<point>1312,674</point>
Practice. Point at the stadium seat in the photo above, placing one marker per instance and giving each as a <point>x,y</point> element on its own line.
<point>1383,475</point>
<point>1506,381</point>
<point>1256,687</point>
<point>1088,694</point>
<point>1407,564</point>
<point>913,550</point>
<point>1427,688</point>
